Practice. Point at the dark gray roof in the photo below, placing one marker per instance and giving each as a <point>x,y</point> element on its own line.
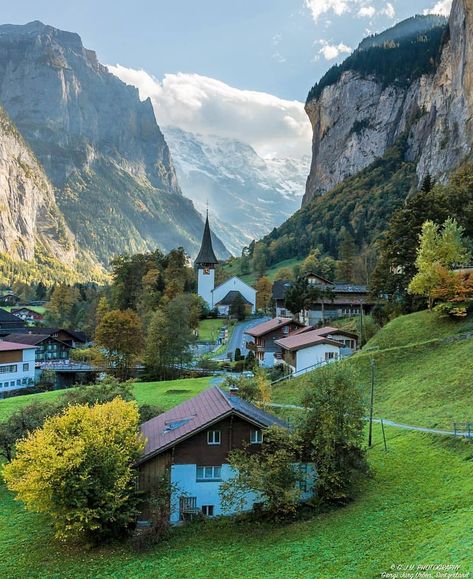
<point>253,412</point>
<point>206,254</point>
<point>7,318</point>
<point>230,298</point>
<point>280,287</point>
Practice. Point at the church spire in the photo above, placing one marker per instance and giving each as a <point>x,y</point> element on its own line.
<point>206,255</point>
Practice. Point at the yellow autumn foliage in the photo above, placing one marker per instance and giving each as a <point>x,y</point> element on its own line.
<point>78,469</point>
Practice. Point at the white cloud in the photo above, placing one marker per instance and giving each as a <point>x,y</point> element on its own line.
<point>367,12</point>
<point>199,104</point>
<point>319,7</point>
<point>389,10</point>
<point>441,7</point>
<point>331,51</point>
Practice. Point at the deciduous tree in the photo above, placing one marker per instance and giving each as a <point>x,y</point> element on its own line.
<point>78,470</point>
<point>121,335</point>
<point>332,430</point>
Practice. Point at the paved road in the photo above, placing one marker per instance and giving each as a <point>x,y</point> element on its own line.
<point>239,339</point>
<point>392,423</point>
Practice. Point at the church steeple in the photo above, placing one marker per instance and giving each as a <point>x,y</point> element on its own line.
<point>206,255</point>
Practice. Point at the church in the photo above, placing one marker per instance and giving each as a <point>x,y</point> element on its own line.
<point>224,295</point>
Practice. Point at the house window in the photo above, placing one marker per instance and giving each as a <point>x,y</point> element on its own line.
<point>209,473</point>
<point>214,437</point>
<point>285,330</point>
<point>256,436</point>
<point>330,355</point>
<point>208,510</point>
<point>8,369</point>
<point>26,367</point>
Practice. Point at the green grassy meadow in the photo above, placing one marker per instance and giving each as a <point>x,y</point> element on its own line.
<point>233,268</point>
<point>165,394</point>
<point>209,329</point>
<point>414,509</point>
<point>429,383</point>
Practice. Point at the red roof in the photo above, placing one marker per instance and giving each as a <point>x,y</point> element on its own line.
<point>9,346</point>
<point>304,340</point>
<point>188,418</point>
<point>270,326</point>
<point>327,330</point>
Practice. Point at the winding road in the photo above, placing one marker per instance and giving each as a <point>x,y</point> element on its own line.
<point>238,338</point>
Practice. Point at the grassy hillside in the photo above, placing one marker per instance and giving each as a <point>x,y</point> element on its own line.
<point>419,380</point>
<point>233,268</point>
<point>165,394</point>
<point>412,511</point>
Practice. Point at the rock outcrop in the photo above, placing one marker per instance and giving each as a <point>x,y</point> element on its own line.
<point>100,146</point>
<point>30,220</point>
<point>355,119</point>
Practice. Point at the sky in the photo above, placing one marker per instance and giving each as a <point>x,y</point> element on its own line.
<point>220,66</point>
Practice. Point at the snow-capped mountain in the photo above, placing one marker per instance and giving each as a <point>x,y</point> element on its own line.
<point>247,195</point>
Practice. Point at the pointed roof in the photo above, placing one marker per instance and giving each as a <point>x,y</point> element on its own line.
<point>206,254</point>
<point>198,413</point>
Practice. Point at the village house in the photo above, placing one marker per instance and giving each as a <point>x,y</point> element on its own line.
<point>10,323</point>
<point>224,295</point>
<point>338,300</point>
<point>191,442</point>
<point>17,366</point>
<point>29,314</point>
<point>48,349</point>
<point>302,351</point>
<point>265,345</point>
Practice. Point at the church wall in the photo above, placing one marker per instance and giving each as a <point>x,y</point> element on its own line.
<point>235,284</point>
<point>206,282</point>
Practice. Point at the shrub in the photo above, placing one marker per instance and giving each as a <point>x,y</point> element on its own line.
<point>78,470</point>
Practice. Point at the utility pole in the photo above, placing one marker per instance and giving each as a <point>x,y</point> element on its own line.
<point>370,435</point>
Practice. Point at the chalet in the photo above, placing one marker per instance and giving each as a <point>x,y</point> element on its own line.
<point>10,323</point>
<point>304,350</point>
<point>8,298</point>
<point>17,366</point>
<point>190,444</point>
<point>280,287</point>
<point>265,345</point>
<point>48,349</point>
<point>339,300</point>
<point>72,338</point>
<point>28,313</point>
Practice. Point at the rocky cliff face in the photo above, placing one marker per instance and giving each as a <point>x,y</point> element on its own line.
<point>98,143</point>
<point>355,119</point>
<point>29,217</point>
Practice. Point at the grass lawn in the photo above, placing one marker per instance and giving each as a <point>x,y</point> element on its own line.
<point>165,394</point>
<point>416,509</point>
<point>233,268</point>
<point>209,329</point>
<point>416,328</point>
<point>426,384</point>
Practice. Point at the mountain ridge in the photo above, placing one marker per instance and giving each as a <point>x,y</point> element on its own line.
<point>99,145</point>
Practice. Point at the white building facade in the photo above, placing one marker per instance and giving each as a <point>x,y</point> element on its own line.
<point>222,296</point>
<point>17,366</point>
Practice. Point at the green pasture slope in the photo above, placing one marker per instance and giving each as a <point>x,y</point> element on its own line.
<point>415,509</point>
<point>165,394</point>
<point>420,379</point>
